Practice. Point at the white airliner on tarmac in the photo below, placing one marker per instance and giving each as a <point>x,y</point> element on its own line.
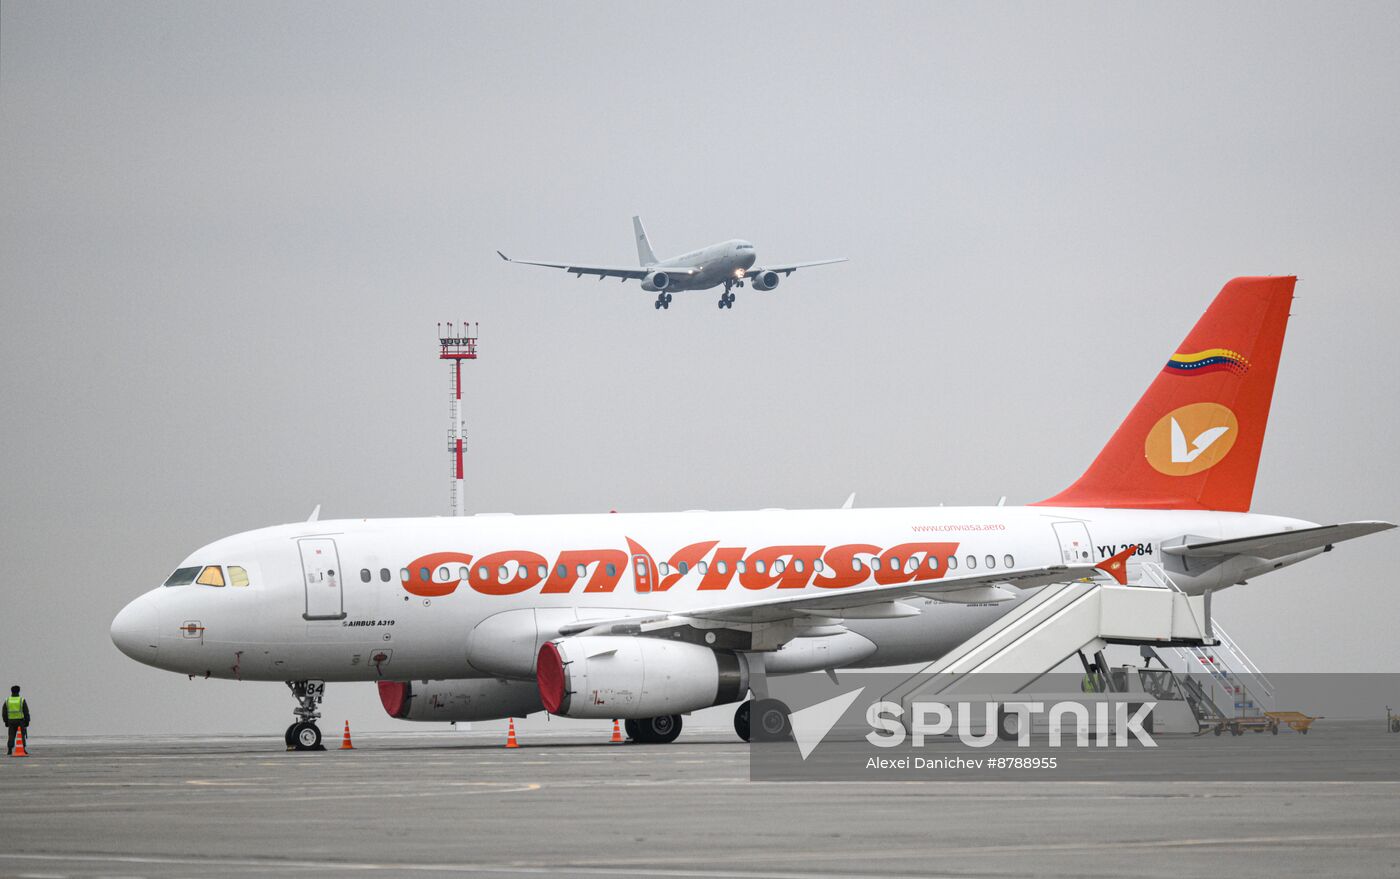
<point>729,263</point>
<point>648,617</point>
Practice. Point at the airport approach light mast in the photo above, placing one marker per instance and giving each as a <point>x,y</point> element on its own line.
<point>455,346</point>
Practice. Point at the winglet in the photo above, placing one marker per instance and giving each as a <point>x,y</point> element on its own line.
<point>315,514</point>
<point>503,256</point>
<point>1117,566</point>
<point>850,502</point>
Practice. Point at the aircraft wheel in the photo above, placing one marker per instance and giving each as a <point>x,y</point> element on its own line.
<point>633,731</point>
<point>290,737</point>
<point>720,303</point>
<point>660,730</point>
<point>772,721</point>
<point>656,305</point>
<point>741,720</point>
<point>306,737</point>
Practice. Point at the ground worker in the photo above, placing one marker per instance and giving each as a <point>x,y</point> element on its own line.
<point>16,718</point>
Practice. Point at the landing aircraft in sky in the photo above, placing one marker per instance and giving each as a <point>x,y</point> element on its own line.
<point>650,616</point>
<point>730,263</point>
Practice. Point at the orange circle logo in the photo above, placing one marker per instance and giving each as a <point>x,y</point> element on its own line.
<point>1191,439</point>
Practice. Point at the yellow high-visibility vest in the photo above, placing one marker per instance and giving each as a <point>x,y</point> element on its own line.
<point>14,708</point>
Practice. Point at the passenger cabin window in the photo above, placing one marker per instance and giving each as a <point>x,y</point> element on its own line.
<point>384,575</point>
<point>952,563</point>
<point>463,573</point>
<point>819,566</point>
<point>760,566</point>
<point>798,566</point>
<point>991,562</point>
<point>522,572</point>
<point>779,566</point>
<point>665,569</point>
<point>722,567</point>
<point>971,562</point>
<point>562,571</point>
<point>874,564</point>
<point>612,569</point>
<point>1009,561</point>
<point>182,576</point>
<point>364,575</point>
<point>703,568</point>
<point>541,571</point>
<point>237,576</point>
<point>582,571</point>
<point>741,567</point>
<point>503,574</point>
<point>683,568</point>
<point>443,574</point>
<point>894,563</point>
<point>933,562</point>
<point>857,564</point>
<point>213,575</point>
<point>423,574</point>
<point>404,575</point>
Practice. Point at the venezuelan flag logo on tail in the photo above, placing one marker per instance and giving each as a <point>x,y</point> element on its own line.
<point>1207,361</point>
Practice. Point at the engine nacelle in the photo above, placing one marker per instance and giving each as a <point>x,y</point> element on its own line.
<point>609,676</point>
<point>656,282</point>
<point>464,700</point>
<point>764,281</point>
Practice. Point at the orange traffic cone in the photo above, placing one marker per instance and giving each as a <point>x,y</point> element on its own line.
<point>19,745</point>
<point>345,742</point>
<point>617,733</point>
<point>510,735</point>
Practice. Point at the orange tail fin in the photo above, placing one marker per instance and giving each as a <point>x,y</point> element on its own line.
<point>1192,442</point>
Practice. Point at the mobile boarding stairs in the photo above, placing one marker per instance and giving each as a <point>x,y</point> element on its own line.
<point>1063,620</point>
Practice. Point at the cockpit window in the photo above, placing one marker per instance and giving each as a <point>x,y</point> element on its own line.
<point>237,576</point>
<point>182,576</point>
<point>212,576</point>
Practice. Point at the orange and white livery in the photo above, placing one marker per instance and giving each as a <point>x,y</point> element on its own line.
<point>647,617</point>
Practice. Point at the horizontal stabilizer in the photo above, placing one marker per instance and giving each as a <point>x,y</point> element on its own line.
<point>1280,543</point>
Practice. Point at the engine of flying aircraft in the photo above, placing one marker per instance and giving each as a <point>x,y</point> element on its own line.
<point>764,281</point>
<point>656,282</point>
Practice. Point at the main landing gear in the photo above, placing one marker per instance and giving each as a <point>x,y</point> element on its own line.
<point>726,299</point>
<point>663,300</point>
<point>774,723</point>
<point>305,735</point>
<point>661,730</point>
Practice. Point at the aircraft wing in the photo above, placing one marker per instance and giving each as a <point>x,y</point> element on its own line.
<point>1279,543</point>
<point>863,602</point>
<point>789,268</point>
<point>623,272</point>
<point>853,602</point>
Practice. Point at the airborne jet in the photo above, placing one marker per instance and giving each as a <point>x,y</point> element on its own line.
<point>729,263</point>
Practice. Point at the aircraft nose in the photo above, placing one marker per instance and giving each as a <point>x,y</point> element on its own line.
<point>136,629</point>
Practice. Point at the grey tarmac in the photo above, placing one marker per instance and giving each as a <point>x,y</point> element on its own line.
<point>566,805</point>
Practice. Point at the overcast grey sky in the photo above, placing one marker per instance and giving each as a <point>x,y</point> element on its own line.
<point>227,232</point>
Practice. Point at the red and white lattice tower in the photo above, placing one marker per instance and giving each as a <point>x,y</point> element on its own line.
<point>455,346</point>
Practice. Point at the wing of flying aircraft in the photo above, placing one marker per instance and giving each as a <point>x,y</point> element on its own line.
<point>788,268</point>
<point>623,272</point>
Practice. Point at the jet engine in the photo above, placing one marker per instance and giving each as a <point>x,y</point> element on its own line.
<point>474,699</point>
<point>656,282</point>
<point>621,676</point>
<point>764,281</point>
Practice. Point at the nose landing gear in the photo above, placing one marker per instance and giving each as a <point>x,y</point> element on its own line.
<point>304,734</point>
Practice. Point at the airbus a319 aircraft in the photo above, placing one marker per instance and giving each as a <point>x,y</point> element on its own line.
<point>648,617</point>
<point>730,263</point>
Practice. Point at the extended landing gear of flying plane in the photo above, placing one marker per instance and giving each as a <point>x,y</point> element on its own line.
<point>663,300</point>
<point>726,299</point>
<point>661,730</point>
<point>774,721</point>
<point>305,735</point>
